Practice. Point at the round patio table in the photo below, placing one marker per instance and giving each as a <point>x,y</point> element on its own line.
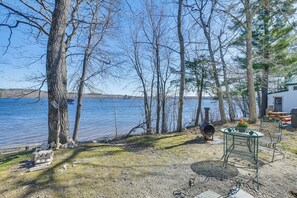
<point>234,139</point>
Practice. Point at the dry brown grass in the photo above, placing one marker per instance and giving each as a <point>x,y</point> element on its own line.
<point>141,166</point>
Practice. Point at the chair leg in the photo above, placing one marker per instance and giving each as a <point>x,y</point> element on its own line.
<point>273,154</point>
<point>280,152</point>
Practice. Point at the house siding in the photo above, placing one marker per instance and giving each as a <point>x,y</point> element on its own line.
<point>289,98</point>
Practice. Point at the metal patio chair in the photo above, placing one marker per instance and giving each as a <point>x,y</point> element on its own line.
<point>275,137</point>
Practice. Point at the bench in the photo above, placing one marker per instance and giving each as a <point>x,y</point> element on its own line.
<point>282,116</point>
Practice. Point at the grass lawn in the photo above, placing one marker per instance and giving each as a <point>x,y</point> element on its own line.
<point>140,166</point>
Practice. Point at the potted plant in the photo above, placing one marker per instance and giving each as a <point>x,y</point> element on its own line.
<point>242,125</point>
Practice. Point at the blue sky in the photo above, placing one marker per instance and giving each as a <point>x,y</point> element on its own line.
<point>21,62</point>
<point>13,70</point>
<point>16,65</point>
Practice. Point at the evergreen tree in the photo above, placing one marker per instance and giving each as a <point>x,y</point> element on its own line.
<point>272,37</point>
<point>197,80</point>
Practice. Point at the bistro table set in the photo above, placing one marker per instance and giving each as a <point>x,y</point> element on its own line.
<point>244,144</point>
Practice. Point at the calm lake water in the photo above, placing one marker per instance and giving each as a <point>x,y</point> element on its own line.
<point>24,122</point>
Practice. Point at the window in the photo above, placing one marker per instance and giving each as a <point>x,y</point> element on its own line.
<point>295,88</point>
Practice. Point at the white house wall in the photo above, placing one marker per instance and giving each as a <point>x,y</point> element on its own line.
<point>289,99</point>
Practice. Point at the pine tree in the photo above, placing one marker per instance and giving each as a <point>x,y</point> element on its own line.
<point>197,80</point>
<point>272,37</point>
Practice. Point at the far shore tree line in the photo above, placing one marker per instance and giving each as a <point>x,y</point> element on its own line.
<point>236,51</point>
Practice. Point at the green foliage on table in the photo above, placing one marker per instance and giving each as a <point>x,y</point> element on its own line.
<point>242,123</point>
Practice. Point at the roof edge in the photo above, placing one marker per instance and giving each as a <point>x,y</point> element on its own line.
<point>280,91</point>
<point>287,84</point>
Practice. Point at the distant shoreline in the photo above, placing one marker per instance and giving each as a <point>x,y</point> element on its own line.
<point>31,93</point>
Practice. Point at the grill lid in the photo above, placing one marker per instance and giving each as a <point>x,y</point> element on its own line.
<point>294,111</point>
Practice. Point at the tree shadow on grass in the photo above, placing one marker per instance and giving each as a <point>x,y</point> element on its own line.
<point>213,168</point>
<point>194,141</point>
<point>7,158</point>
<point>147,141</point>
<point>46,178</point>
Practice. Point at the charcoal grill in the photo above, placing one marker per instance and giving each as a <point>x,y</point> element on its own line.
<point>294,117</point>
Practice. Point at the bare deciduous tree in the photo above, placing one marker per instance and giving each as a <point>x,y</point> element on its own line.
<point>182,67</point>
<point>245,21</point>
<point>155,30</point>
<point>205,10</point>
<point>99,15</point>
<point>49,19</point>
<point>57,76</point>
<point>135,58</point>
<point>226,80</point>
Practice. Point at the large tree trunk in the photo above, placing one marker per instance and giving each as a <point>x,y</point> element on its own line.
<point>182,67</point>
<point>157,56</point>
<point>258,98</point>
<point>265,73</point>
<point>245,104</point>
<point>264,90</point>
<point>57,75</point>
<point>250,73</point>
